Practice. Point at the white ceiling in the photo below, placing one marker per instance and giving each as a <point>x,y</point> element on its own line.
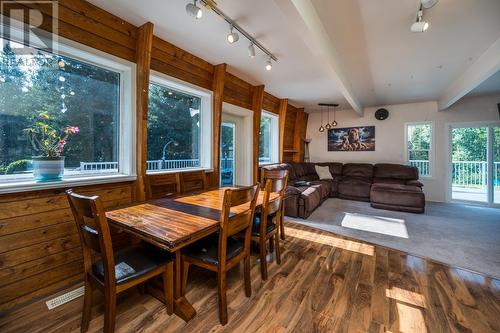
<point>377,60</point>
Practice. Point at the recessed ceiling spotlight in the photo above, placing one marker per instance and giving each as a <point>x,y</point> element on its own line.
<point>269,65</point>
<point>251,50</point>
<point>193,10</point>
<point>232,37</point>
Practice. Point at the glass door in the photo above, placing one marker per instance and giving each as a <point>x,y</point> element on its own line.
<point>227,144</point>
<point>496,164</point>
<point>469,159</point>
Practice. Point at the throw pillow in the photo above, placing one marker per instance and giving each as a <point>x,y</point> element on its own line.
<point>323,172</point>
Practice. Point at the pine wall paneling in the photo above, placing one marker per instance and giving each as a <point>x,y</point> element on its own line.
<point>39,246</point>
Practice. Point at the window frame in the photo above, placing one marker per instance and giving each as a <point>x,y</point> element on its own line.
<point>273,138</point>
<point>206,119</point>
<point>431,147</point>
<point>127,119</point>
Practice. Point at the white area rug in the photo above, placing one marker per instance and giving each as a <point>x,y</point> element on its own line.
<point>465,236</point>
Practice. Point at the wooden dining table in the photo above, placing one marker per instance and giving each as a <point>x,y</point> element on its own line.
<point>173,223</point>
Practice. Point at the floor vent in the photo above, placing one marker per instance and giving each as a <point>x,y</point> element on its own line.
<point>65,298</point>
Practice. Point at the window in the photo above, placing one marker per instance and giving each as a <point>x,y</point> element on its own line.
<point>419,147</point>
<point>43,95</point>
<point>179,126</point>
<point>268,140</point>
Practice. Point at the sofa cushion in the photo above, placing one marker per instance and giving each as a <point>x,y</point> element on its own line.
<point>357,170</point>
<point>354,188</point>
<point>323,172</point>
<point>395,171</point>
<point>389,181</point>
<point>335,168</point>
<point>398,196</point>
<point>304,171</point>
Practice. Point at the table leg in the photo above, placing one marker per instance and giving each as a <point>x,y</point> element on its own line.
<point>182,307</point>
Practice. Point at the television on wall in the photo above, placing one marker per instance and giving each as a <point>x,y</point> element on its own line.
<point>352,139</point>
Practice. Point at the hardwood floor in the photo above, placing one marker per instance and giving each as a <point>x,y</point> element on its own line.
<point>325,283</point>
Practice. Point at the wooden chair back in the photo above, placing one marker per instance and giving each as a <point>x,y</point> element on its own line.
<point>193,181</point>
<point>243,200</point>
<point>275,182</point>
<point>94,233</point>
<point>160,186</point>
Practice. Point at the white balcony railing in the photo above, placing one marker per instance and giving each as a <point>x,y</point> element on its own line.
<point>465,173</point>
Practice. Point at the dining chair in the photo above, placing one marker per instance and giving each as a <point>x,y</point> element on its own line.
<point>224,250</point>
<point>161,186</point>
<point>277,174</point>
<point>195,181</point>
<point>268,220</point>
<point>111,272</point>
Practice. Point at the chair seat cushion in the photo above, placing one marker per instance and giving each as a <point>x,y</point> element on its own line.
<point>207,249</point>
<point>271,225</point>
<point>133,262</point>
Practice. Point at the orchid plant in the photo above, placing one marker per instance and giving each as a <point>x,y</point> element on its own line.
<point>46,140</point>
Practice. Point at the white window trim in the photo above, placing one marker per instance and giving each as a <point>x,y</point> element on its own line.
<point>432,149</point>
<point>206,115</point>
<point>274,138</point>
<point>127,142</point>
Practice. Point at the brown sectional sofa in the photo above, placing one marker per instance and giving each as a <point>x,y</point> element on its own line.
<point>385,186</point>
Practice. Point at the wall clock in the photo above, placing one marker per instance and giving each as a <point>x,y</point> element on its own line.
<point>381,114</point>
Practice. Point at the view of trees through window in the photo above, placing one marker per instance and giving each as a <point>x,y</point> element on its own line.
<point>265,139</point>
<point>173,129</point>
<point>70,93</point>
<point>419,146</point>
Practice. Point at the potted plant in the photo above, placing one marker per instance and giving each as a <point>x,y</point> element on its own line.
<point>49,144</point>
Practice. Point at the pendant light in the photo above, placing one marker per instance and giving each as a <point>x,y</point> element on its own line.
<point>334,122</point>
<point>321,128</point>
<point>328,126</point>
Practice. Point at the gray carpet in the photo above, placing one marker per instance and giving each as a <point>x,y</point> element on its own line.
<point>461,235</point>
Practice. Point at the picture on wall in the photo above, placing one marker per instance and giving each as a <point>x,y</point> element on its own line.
<point>352,139</point>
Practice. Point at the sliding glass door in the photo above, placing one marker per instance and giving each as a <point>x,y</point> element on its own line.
<point>475,163</point>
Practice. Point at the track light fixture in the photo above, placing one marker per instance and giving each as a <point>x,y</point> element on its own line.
<point>420,25</point>
<point>251,50</point>
<point>269,65</point>
<point>232,37</point>
<point>193,10</point>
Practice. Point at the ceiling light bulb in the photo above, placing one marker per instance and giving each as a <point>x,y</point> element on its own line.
<point>420,26</point>
<point>232,37</point>
<point>269,66</point>
<point>251,51</point>
<point>334,123</point>
<point>321,129</point>
<point>193,10</point>
<point>328,126</point>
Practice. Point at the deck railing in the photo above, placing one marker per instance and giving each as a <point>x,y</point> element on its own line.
<point>465,173</point>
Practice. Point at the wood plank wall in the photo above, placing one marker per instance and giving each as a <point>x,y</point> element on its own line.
<point>39,246</point>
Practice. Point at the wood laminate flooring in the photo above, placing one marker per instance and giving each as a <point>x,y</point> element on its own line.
<point>325,283</point>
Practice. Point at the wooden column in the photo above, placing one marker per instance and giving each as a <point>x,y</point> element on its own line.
<point>282,119</point>
<point>257,100</point>
<point>143,60</point>
<point>298,136</point>
<point>218,90</point>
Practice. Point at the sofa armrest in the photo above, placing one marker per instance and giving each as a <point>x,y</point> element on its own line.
<point>291,190</point>
<point>414,182</point>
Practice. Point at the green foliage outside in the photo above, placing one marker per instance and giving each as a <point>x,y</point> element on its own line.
<point>70,92</point>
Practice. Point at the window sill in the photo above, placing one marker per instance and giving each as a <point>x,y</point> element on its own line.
<point>165,172</point>
<point>268,163</point>
<point>31,185</point>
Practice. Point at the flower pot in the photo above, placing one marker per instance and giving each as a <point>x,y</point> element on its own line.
<point>46,169</point>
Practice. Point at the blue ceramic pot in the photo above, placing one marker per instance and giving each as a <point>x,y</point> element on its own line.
<point>46,169</point>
